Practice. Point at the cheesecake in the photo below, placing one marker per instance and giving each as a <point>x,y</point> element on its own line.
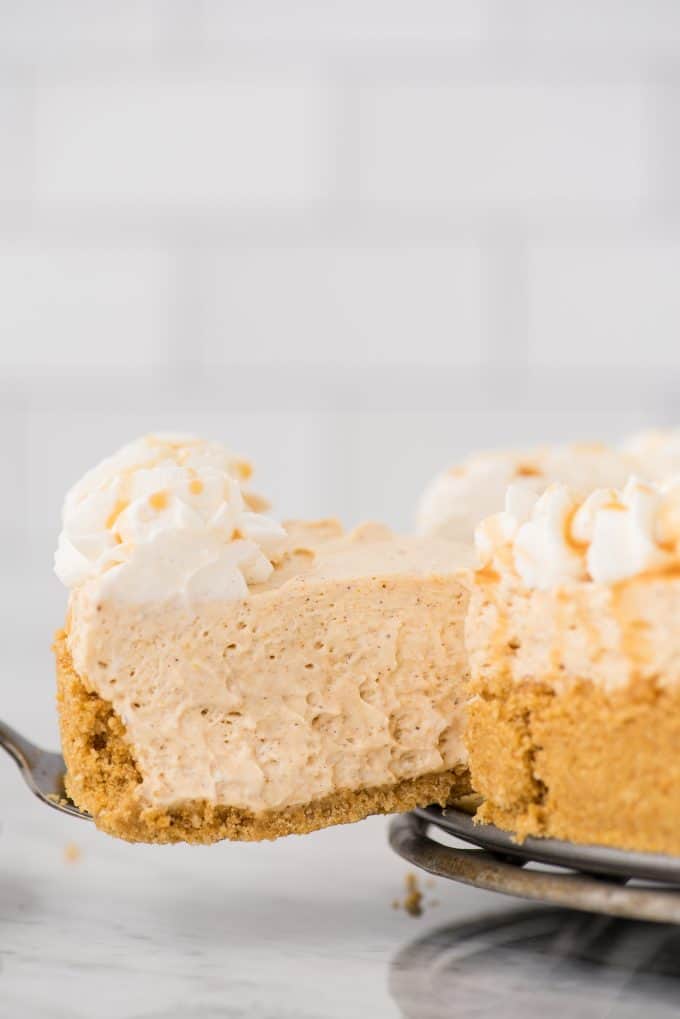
<point>573,645</point>
<point>223,675</point>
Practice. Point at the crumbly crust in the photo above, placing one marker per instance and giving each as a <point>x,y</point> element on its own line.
<point>581,763</point>
<point>102,778</point>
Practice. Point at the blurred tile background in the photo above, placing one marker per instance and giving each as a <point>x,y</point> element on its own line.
<point>352,240</point>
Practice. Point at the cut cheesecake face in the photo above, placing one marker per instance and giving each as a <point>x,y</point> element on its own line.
<point>574,653</point>
<point>222,676</point>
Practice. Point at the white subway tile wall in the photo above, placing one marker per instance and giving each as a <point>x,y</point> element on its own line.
<point>31,29</point>
<point>16,146</point>
<point>182,140</point>
<point>345,305</point>
<point>518,145</point>
<point>599,304</point>
<point>77,310</point>
<point>353,21</point>
<point>352,240</point>
<point>608,22</point>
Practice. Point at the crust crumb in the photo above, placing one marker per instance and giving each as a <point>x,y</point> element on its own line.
<point>72,853</point>
<point>413,903</point>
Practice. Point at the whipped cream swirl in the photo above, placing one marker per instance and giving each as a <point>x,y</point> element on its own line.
<point>656,453</point>
<point>166,516</point>
<point>558,537</point>
<point>455,502</point>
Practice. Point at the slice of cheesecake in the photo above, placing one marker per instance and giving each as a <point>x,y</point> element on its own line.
<point>574,650</point>
<point>222,676</point>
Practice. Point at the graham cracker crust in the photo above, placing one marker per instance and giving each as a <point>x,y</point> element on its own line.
<point>102,778</point>
<point>580,764</point>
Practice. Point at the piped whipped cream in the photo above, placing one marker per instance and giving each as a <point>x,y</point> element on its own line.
<point>656,453</point>
<point>457,500</point>
<point>559,537</point>
<point>166,516</point>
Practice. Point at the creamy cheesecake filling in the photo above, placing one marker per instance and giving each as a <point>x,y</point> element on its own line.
<point>609,635</point>
<point>342,671</point>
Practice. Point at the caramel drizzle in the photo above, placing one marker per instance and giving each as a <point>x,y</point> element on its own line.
<point>570,540</point>
<point>527,470</point>
<point>120,507</point>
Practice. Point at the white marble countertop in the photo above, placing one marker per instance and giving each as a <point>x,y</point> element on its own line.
<point>300,928</point>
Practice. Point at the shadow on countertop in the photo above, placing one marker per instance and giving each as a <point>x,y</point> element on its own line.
<point>540,962</point>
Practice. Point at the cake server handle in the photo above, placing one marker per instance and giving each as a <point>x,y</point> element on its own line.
<point>42,771</point>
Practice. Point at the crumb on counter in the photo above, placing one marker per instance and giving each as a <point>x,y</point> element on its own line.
<point>413,903</point>
<point>72,852</point>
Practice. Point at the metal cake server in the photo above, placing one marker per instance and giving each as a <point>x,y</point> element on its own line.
<point>42,771</point>
<point>586,877</point>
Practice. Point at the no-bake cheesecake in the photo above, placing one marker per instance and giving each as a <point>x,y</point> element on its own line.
<point>574,649</point>
<point>223,676</point>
